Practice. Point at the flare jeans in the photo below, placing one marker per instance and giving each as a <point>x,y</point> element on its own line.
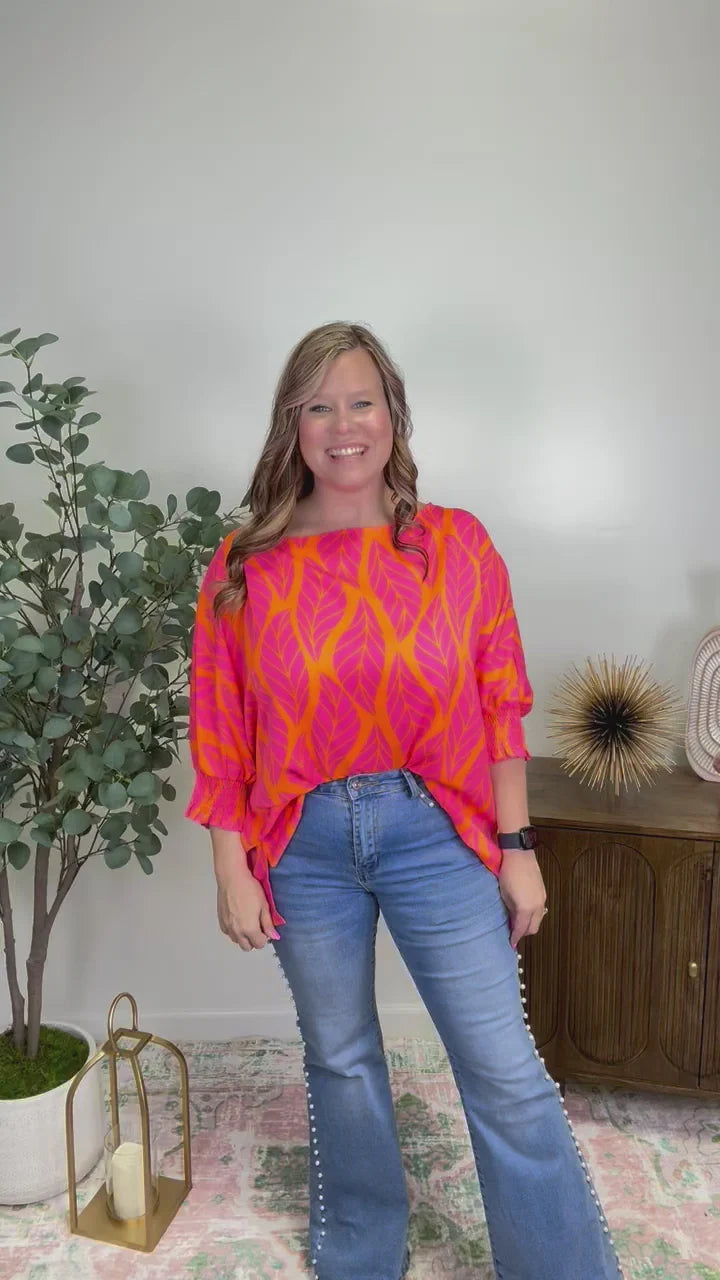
<point>380,842</point>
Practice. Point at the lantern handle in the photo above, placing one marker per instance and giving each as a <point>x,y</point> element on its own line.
<point>124,995</point>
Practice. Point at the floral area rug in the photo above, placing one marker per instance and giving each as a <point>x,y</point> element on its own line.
<point>655,1161</point>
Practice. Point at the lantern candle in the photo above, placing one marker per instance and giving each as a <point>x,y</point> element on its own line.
<point>128,1188</point>
<point>119,1212</point>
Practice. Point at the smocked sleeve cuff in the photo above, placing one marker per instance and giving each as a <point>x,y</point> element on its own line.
<point>505,735</point>
<point>218,802</point>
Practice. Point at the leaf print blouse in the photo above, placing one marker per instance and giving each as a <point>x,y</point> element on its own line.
<point>344,660</point>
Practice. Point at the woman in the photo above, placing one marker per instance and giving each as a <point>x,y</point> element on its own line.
<point>357,691</point>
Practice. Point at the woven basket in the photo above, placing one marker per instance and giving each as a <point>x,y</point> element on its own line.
<point>702,734</point>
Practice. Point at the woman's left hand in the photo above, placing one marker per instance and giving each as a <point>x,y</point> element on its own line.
<point>523,891</point>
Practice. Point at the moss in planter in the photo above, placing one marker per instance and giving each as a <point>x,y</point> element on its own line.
<point>61,1055</point>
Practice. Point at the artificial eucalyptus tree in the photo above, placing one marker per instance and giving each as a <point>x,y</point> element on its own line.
<point>96,621</point>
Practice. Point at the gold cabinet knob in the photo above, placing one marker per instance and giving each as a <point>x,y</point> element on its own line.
<point>693,969</point>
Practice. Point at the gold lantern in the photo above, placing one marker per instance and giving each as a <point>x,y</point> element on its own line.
<point>136,1203</point>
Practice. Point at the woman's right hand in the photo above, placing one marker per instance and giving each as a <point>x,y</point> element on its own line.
<point>243,911</point>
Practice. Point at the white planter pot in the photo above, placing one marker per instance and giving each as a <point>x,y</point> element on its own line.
<point>33,1163</point>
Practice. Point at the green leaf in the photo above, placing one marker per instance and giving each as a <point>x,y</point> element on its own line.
<point>24,663</point>
<point>174,565</point>
<point>9,606</point>
<point>52,645</point>
<point>120,518</point>
<point>26,348</point>
<point>52,426</point>
<point>10,569</point>
<point>91,765</point>
<point>74,781</point>
<point>73,706</point>
<point>148,843</point>
<point>130,564</point>
<point>112,795</point>
<point>145,786</point>
<point>141,485</point>
<point>70,684</point>
<point>5,387</point>
<point>18,854</point>
<point>20,453</point>
<point>16,738</point>
<point>114,756</point>
<point>112,590</point>
<point>77,444</point>
<point>10,528</point>
<point>46,679</point>
<point>113,827</point>
<point>96,511</point>
<point>76,822</point>
<point>72,657</point>
<point>9,830</point>
<point>172,503</point>
<point>146,515</point>
<point>168,791</point>
<point>29,644</point>
<point>45,820</point>
<point>75,628</point>
<point>145,863</point>
<point>96,594</point>
<point>54,503</point>
<point>9,337</point>
<point>128,621</point>
<point>56,727</point>
<point>102,480</point>
<point>88,419</point>
<point>131,485</point>
<point>203,502</point>
<point>44,838</point>
<point>117,857</point>
<point>155,678</point>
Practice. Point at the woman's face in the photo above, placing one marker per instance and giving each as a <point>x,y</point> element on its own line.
<point>348,409</point>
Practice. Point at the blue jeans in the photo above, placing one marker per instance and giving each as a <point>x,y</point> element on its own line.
<point>379,842</point>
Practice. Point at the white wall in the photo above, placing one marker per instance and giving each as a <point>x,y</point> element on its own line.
<point>522,198</point>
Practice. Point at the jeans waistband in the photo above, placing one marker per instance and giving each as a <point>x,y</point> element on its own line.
<point>356,784</point>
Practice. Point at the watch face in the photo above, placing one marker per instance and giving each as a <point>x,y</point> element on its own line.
<point>528,835</point>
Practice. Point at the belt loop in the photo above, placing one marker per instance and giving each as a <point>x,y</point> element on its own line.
<point>411,781</point>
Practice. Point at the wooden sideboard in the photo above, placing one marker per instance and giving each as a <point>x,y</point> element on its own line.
<point>623,979</point>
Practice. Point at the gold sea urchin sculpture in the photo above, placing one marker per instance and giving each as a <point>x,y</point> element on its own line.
<point>615,724</point>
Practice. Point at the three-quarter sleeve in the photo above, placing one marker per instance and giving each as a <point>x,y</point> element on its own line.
<point>505,691</point>
<point>221,756</point>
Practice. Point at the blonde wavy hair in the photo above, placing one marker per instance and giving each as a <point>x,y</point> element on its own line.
<point>282,476</point>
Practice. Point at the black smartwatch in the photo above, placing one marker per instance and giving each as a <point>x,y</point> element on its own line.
<point>525,838</point>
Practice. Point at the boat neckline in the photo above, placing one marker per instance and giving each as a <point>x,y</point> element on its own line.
<point>357,528</point>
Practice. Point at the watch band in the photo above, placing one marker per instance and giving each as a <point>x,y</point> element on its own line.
<point>525,838</point>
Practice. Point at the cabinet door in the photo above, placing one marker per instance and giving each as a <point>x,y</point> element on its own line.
<point>710,1057</point>
<point>682,937</point>
<point>631,925</point>
<point>610,916</point>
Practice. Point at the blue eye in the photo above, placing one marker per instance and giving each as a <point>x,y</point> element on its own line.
<point>361,404</point>
<point>317,408</point>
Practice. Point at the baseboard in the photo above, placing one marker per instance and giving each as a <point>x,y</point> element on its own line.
<point>397,1021</point>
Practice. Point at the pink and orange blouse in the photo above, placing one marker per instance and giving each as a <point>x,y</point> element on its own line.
<point>344,660</point>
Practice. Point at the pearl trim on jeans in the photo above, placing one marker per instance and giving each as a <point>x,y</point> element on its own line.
<point>315,1153</point>
<point>583,1163</point>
